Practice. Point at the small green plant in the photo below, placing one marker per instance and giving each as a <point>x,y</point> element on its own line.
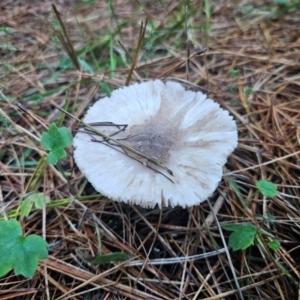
<point>7,46</point>
<point>36,200</point>
<point>233,73</point>
<point>248,90</point>
<point>244,235</point>
<point>104,258</point>
<point>19,252</point>
<point>274,245</point>
<point>267,188</point>
<point>55,140</point>
<point>6,30</point>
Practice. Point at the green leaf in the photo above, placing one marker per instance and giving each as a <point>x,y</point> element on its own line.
<point>104,258</point>
<point>47,141</point>
<point>65,137</point>
<point>55,140</point>
<point>239,227</point>
<point>86,67</point>
<point>242,236</point>
<point>274,245</point>
<point>268,218</point>
<point>60,153</point>
<point>281,1</point>
<point>105,88</point>
<point>19,252</point>
<point>26,207</point>
<point>267,188</point>
<point>52,158</point>
<point>36,199</point>
<point>39,199</point>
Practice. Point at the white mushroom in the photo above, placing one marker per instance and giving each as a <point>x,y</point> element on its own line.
<point>185,131</point>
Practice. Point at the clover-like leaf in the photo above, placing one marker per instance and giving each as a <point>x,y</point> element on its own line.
<point>55,140</point>
<point>52,158</point>
<point>36,199</point>
<point>18,252</point>
<point>47,141</point>
<point>267,188</point>
<point>274,244</point>
<point>242,237</point>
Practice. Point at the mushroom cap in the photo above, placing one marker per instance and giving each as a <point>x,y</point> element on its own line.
<point>184,130</point>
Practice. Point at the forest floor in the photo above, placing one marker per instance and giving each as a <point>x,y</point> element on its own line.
<point>251,68</point>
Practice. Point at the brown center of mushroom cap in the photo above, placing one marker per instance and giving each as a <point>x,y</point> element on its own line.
<point>158,134</point>
<point>154,141</point>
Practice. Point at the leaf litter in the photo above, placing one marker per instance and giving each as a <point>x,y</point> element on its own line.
<point>250,69</point>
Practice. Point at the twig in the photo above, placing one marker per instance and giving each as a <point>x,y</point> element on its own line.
<point>123,145</point>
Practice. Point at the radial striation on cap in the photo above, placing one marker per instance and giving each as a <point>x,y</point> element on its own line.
<point>185,131</point>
